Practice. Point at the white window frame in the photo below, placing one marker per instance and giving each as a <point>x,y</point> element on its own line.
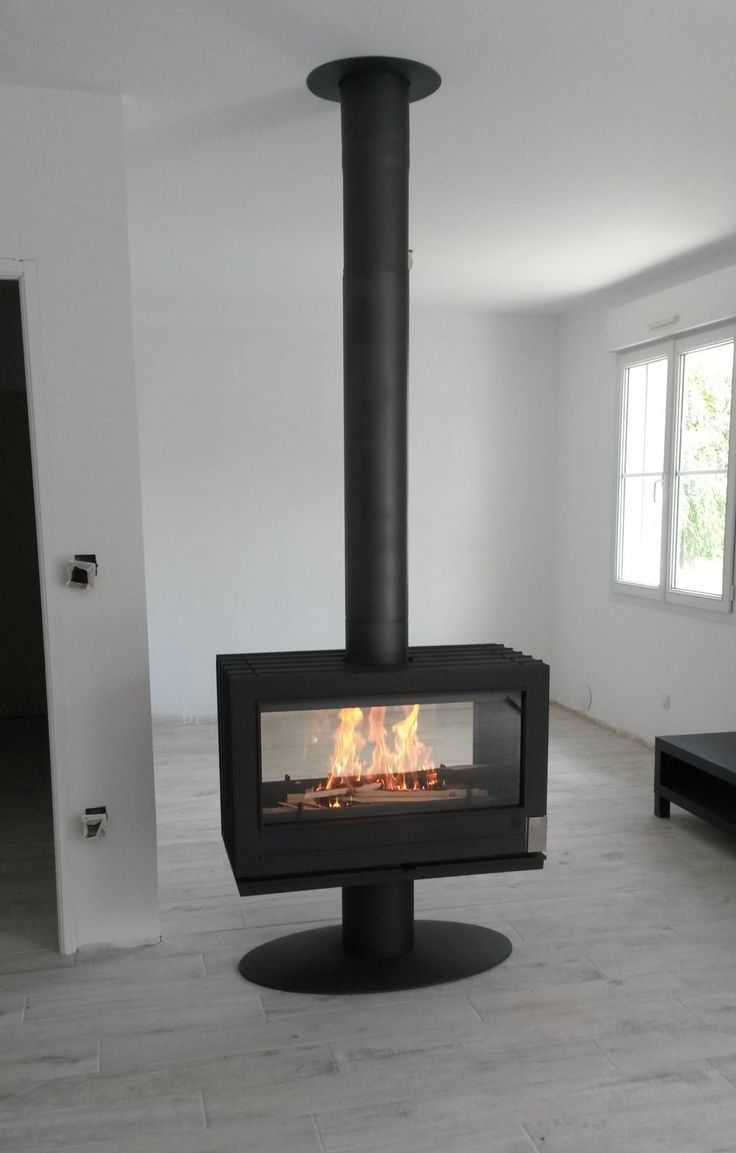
<point>665,592</point>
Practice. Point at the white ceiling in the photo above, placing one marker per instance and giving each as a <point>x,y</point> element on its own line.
<point>573,143</point>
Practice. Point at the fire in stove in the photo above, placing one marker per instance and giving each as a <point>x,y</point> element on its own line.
<point>364,760</point>
<point>402,764</point>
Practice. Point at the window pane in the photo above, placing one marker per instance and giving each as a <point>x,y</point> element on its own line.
<point>701,532</point>
<point>646,401</point>
<point>706,408</point>
<point>641,530</point>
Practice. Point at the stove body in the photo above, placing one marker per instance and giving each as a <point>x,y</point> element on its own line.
<point>485,710</point>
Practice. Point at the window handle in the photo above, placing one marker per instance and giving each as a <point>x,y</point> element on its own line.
<point>658,484</point>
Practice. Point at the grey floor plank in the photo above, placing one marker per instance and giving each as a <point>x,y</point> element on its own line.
<point>162,1119</point>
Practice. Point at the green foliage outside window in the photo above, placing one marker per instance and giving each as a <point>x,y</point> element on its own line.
<point>705,444</point>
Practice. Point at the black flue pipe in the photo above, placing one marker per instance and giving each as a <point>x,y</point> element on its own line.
<point>374,93</point>
<point>375,159</point>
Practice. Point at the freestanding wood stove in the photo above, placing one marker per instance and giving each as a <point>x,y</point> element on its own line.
<point>381,765</point>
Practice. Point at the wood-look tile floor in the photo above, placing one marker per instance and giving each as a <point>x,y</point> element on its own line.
<point>610,1029</point>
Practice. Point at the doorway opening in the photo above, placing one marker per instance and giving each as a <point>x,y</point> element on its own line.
<point>28,899</point>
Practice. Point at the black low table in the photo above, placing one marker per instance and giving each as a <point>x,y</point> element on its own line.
<point>698,773</point>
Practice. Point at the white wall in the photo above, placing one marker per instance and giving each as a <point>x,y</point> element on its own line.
<point>481,481</point>
<point>62,188</point>
<point>630,655</point>
<point>241,446</point>
<point>241,463</point>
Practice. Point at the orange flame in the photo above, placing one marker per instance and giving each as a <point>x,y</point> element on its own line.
<point>403,764</point>
<point>348,743</point>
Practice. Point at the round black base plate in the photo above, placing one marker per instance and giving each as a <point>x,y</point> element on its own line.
<point>315,961</point>
<point>325,81</point>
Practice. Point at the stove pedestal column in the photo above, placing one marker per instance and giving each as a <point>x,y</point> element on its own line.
<point>378,920</point>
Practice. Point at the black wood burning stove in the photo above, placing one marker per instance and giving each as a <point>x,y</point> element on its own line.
<point>381,765</point>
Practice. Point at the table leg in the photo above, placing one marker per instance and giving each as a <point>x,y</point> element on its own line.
<point>661,806</point>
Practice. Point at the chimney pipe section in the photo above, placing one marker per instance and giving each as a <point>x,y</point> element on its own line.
<point>374,93</point>
<point>375,159</point>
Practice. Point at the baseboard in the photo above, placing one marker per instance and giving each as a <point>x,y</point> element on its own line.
<point>602,725</point>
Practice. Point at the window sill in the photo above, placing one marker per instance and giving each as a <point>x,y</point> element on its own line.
<point>659,604</point>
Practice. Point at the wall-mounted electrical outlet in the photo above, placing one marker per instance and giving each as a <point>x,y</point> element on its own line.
<point>94,822</point>
<point>82,571</point>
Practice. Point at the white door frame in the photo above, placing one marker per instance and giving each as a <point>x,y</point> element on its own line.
<point>26,273</point>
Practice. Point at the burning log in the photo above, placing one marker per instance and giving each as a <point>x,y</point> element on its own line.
<point>371,792</point>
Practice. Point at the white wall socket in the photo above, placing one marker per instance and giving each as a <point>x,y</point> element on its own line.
<point>94,822</point>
